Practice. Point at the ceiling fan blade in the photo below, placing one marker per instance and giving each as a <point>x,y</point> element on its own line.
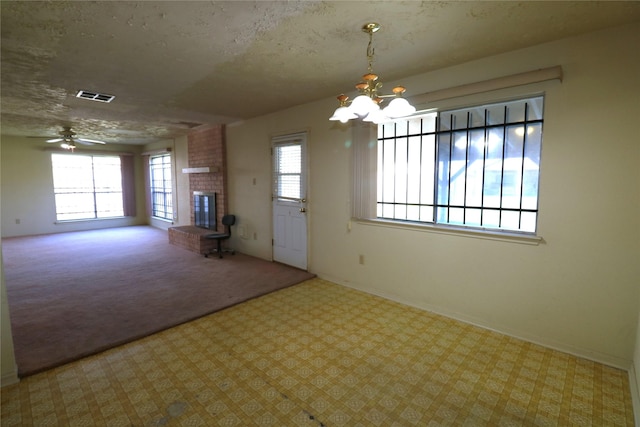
<point>51,141</point>
<point>88,141</point>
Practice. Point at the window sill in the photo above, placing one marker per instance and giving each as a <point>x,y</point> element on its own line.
<point>510,237</point>
<point>71,221</point>
<point>157,218</point>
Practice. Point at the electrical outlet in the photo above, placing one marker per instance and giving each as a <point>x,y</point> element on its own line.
<point>361,259</point>
<point>17,220</point>
<point>255,236</point>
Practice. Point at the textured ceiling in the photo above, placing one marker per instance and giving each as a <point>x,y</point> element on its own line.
<point>178,65</point>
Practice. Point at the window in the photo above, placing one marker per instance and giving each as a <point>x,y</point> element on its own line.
<point>288,169</point>
<point>474,167</point>
<point>161,193</point>
<point>87,187</point>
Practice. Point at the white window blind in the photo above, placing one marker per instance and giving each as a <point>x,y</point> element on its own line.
<point>287,153</point>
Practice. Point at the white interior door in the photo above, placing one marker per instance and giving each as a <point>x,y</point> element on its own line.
<point>290,200</point>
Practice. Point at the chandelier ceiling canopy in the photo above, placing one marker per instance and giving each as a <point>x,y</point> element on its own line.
<point>366,106</point>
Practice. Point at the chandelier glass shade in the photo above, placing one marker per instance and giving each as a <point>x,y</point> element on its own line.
<point>366,106</point>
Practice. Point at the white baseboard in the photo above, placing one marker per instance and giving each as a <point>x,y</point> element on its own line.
<point>635,396</point>
<point>594,356</point>
<point>9,378</point>
<point>604,359</point>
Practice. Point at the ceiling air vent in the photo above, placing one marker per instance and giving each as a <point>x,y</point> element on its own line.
<point>94,96</point>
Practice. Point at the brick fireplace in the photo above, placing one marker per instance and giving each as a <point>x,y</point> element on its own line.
<point>207,157</point>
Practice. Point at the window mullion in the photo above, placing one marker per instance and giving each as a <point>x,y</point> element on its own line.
<point>524,142</point>
<point>382,173</point>
<point>164,188</point>
<point>420,174</point>
<point>451,145</point>
<point>406,187</point>
<point>436,170</point>
<point>395,165</point>
<point>466,168</point>
<point>504,149</point>
<point>93,183</point>
<point>485,150</point>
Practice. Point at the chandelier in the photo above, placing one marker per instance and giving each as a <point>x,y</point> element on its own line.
<point>366,105</point>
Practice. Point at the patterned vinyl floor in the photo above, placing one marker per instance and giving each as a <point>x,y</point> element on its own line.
<point>319,354</point>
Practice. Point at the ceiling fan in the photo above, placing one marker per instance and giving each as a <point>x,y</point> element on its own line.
<point>68,139</point>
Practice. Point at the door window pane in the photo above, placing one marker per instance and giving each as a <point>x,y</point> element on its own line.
<point>288,171</point>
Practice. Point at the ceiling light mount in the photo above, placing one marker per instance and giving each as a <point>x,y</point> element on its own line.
<point>371,27</point>
<point>366,105</point>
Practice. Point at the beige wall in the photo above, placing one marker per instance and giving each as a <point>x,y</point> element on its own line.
<point>634,374</point>
<point>183,193</point>
<point>8,368</point>
<point>577,291</point>
<point>27,190</point>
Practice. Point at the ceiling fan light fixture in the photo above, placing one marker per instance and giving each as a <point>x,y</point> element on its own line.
<point>68,146</point>
<point>366,105</point>
<point>68,139</point>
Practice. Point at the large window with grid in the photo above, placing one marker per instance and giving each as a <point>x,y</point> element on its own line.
<point>87,187</point>
<point>474,167</point>
<point>161,188</point>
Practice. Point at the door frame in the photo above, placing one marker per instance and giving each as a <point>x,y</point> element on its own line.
<point>282,139</point>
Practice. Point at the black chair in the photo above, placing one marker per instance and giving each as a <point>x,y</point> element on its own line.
<point>227,221</point>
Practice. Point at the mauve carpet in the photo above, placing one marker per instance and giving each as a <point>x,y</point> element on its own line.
<point>75,294</point>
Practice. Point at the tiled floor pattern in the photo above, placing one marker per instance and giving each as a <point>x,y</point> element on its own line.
<point>319,354</point>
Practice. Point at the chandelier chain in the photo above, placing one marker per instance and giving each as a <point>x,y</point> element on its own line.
<point>370,52</point>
